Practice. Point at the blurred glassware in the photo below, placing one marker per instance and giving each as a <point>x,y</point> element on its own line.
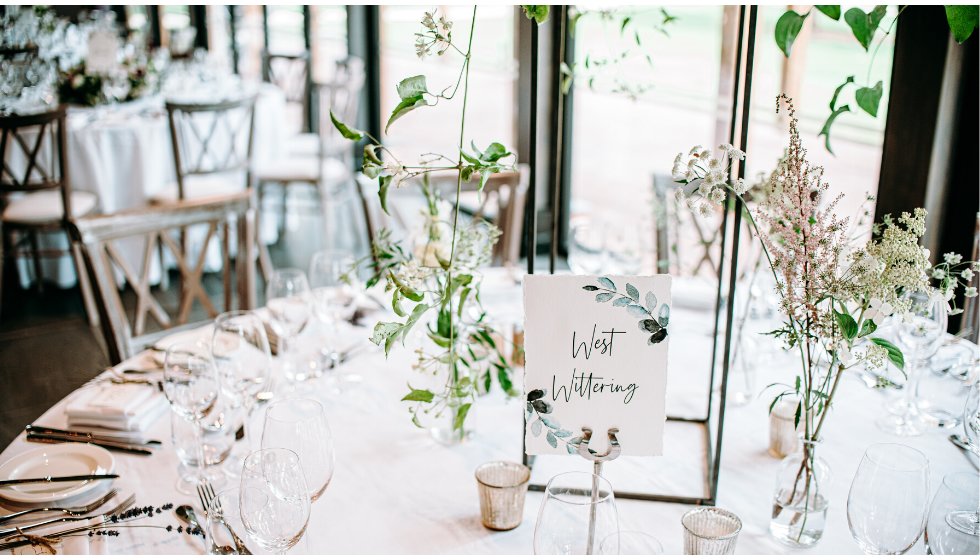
<point>564,518</point>
<point>784,436</point>
<point>223,518</point>
<point>971,415</point>
<point>300,425</point>
<point>889,496</point>
<point>192,387</point>
<point>503,487</point>
<point>710,531</point>
<point>920,334</point>
<point>954,518</point>
<point>217,439</point>
<point>332,276</point>
<point>587,248</point>
<point>624,244</point>
<point>799,503</point>
<point>287,298</point>
<point>274,499</point>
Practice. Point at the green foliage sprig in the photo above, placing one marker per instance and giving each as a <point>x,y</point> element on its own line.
<point>864,26</point>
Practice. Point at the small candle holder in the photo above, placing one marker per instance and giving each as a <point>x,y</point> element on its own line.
<point>710,531</point>
<point>783,434</point>
<point>502,486</point>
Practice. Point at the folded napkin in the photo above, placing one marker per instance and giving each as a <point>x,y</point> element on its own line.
<point>123,407</point>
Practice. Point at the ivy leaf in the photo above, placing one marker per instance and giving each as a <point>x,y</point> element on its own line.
<point>833,12</point>
<point>536,428</point>
<point>637,311</point>
<point>384,182</point>
<point>867,327</point>
<point>651,300</point>
<point>383,331</point>
<point>604,297</point>
<point>607,283</point>
<point>847,324</point>
<point>632,292</point>
<point>405,107</point>
<point>622,302</point>
<point>833,100</point>
<point>419,395</point>
<point>412,87</point>
<point>869,98</point>
<point>503,378</point>
<point>494,152</point>
<point>538,13</point>
<point>788,26</point>
<point>461,413</point>
<point>347,132</point>
<point>863,25</point>
<point>825,131</point>
<point>552,440</point>
<point>962,21</point>
<point>895,355</point>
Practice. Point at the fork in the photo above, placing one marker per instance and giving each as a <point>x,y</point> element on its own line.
<point>206,492</point>
<point>80,510</point>
<point>105,517</point>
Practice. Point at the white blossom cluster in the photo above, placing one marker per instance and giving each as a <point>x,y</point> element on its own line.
<point>438,35</point>
<point>705,176</point>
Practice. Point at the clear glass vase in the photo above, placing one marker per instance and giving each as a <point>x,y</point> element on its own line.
<point>799,504</point>
<point>445,429</point>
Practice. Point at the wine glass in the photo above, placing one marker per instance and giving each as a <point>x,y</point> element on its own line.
<point>224,524</point>
<point>570,509</point>
<point>243,362</point>
<point>300,425</point>
<point>920,333</point>
<point>287,297</point>
<point>971,416</point>
<point>191,386</point>
<point>587,248</point>
<point>954,518</point>
<point>334,300</point>
<point>274,500</point>
<point>886,506</point>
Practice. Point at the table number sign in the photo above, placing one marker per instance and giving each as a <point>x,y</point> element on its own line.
<point>103,49</point>
<point>595,356</point>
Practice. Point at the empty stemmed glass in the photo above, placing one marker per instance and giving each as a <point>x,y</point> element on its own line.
<point>274,499</point>
<point>240,350</point>
<point>300,425</point>
<point>920,334</point>
<point>288,301</point>
<point>334,299</point>
<point>191,386</point>
<point>886,506</point>
<point>954,518</point>
<point>568,512</point>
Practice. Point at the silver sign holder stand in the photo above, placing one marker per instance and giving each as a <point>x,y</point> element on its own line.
<point>597,460</point>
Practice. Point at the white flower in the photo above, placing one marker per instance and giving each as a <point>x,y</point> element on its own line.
<point>952,258</point>
<point>926,253</point>
<point>679,171</point>
<point>679,195</point>
<point>845,356</point>
<point>696,151</point>
<point>714,177</point>
<point>432,253</point>
<point>715,164</point>
<point>878,310</point>
<point>938,273</point>
<point>967,274</point>
<point>970,292</point>
<point>740,187</point>
<point>690,176</point>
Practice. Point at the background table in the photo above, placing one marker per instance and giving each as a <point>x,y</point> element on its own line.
<point>395,490</point>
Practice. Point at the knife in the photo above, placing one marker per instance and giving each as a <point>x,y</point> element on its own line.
<point>110,445</point>
<point>74,478</point>
<point>44,430</point>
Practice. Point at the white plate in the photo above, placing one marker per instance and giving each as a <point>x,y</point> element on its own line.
<point>63,459</point>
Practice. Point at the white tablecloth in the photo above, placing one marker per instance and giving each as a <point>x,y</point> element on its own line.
<point>397,491</point>
<point>124,154</point>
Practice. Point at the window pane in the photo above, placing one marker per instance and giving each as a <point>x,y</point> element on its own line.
<point>329,39</point>
<point>491,114</point>
<point>286,29</point>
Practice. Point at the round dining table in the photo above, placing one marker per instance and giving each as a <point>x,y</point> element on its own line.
<point>395,490</point>
<point>123,153</point>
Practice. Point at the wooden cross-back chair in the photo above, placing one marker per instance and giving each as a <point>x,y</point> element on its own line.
<point>291,74</point>
<point>226,217</point>
<point>35,187</point>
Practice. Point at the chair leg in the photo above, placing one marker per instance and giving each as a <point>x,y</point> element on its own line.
<point>85,285</point>
<point>36,253</point>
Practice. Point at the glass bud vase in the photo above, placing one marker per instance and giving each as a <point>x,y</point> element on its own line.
<point>445,430</point>
<point>799,504</point>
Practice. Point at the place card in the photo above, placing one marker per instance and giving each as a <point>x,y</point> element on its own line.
<point>595,356</point>
<point>103,52</point>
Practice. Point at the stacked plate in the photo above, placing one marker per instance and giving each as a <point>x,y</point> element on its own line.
<point>66,459</point>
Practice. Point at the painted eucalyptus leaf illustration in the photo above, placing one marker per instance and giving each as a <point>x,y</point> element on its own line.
<point>655,325</point>
<point>543,423</point>
<point>651,300</point>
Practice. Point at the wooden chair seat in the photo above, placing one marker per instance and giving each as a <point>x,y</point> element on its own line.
<point>46,207</point>
<point>201,186</point>
<point>302,169</point>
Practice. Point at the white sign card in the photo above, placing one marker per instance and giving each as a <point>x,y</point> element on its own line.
<point>103,52</point>
<point>595,356</point>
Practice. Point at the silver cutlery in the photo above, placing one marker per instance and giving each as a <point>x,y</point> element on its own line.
<point>206,492</point>
<point>44,430</point>
<point>80,510</point>
<point>49,479</point>
<point>186,514</point>
<point>110,445</point>
<point>964,445</point>
<point>126,504</point>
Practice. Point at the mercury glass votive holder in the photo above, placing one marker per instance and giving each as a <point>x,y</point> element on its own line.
<point>783,434</point>
<point>710,530</point>
<point>502,486</point>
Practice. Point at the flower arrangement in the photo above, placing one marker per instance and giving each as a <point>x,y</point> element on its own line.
<point>134,78</point>
<point>435,281</point>
<point>833,295</point>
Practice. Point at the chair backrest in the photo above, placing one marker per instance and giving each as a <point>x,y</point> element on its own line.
<point>100,236</point>
<point>341,95</point>
<point>212,138</point>
<point>291,73</point>
<point>34,155</point>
